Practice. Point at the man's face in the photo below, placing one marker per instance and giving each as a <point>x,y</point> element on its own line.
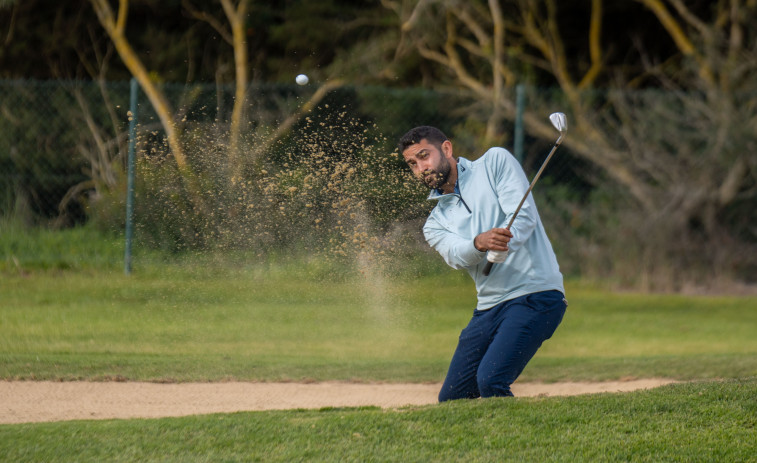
<point>428,163</point>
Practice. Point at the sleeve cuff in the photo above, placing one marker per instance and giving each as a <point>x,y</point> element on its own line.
<point>470,254</point>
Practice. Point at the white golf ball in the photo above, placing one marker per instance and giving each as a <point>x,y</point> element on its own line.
<point>301,79</point>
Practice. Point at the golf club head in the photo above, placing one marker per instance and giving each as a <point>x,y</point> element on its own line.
<point>559,121</point>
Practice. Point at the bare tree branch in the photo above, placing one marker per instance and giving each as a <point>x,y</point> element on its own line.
<point>595,46</point>
<point>222,30</point>
<point>679,36</point>
<point>287,124</point>
<point>115,29</point>
<point>236,17</point>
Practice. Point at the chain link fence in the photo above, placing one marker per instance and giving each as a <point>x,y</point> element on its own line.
<point>60,141</point>
<point>335,171</point>
<point>44,137</point>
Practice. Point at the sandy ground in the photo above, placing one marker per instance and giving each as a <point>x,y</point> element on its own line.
<point>29,401</point>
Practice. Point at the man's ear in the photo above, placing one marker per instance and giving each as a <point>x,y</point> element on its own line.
<point>447,148</point>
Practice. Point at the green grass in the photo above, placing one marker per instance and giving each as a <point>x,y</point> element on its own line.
<point>24,250</point>
<point>701,421</point>
<point>254,324</point>
<point>68,312</point>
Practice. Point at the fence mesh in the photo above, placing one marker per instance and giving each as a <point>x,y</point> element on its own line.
<point>59,140</point>
<point>63,152</point>
<point>42,133</point>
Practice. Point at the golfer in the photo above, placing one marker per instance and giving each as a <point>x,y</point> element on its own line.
<point>521,302</point>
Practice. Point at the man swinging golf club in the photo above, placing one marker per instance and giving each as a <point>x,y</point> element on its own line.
<point>521,299</point>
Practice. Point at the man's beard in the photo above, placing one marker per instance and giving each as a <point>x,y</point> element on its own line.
<point>436,178</point>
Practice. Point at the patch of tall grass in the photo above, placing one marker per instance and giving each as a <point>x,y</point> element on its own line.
<point>24,249</point>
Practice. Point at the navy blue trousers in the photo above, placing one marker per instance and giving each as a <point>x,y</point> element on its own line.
<point>498,343</point>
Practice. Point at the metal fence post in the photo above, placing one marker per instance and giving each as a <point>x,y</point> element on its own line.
<point>134,89</point>
<point>520,102</point>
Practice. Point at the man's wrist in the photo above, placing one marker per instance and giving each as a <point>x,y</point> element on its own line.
<point>475,244</point>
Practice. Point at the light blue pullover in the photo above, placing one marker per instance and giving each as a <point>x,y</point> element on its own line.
<point>486,194</point>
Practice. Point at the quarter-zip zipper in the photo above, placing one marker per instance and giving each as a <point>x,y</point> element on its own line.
<point>463,201</point>
<point>460,191</point>
<point>455,193</point>
<point>459,199</point>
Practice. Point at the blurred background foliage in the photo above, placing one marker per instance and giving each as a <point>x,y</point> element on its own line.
<point>655,187</point>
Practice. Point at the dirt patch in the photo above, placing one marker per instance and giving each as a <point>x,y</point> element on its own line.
<point>30,401</point>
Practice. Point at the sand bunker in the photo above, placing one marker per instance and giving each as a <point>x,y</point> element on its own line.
<point>31,401</point>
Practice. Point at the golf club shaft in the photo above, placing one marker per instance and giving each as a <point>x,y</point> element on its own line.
<point>489,265</point>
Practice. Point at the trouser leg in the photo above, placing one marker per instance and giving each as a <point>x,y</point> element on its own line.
<point>460,382</point>
<point>498,343</point>
<point>525,324</point>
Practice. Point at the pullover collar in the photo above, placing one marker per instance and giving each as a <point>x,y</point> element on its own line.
<point>463,168</point>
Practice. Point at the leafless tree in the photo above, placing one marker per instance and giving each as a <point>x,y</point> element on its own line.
<point>683,155</point>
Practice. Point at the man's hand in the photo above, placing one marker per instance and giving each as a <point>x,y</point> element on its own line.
<point>495,239</point>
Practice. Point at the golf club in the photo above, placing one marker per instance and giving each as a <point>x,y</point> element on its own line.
<point>560,122</point>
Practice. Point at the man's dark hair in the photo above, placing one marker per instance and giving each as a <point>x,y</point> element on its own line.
<point>433,135</point>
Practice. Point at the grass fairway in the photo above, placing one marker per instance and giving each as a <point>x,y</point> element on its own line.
<point>63,317</point>
<point>198,325</point>
<point>707,421</point>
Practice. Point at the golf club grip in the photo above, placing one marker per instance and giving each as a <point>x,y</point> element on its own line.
<point>489,265</point>
<point>488,268</point>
